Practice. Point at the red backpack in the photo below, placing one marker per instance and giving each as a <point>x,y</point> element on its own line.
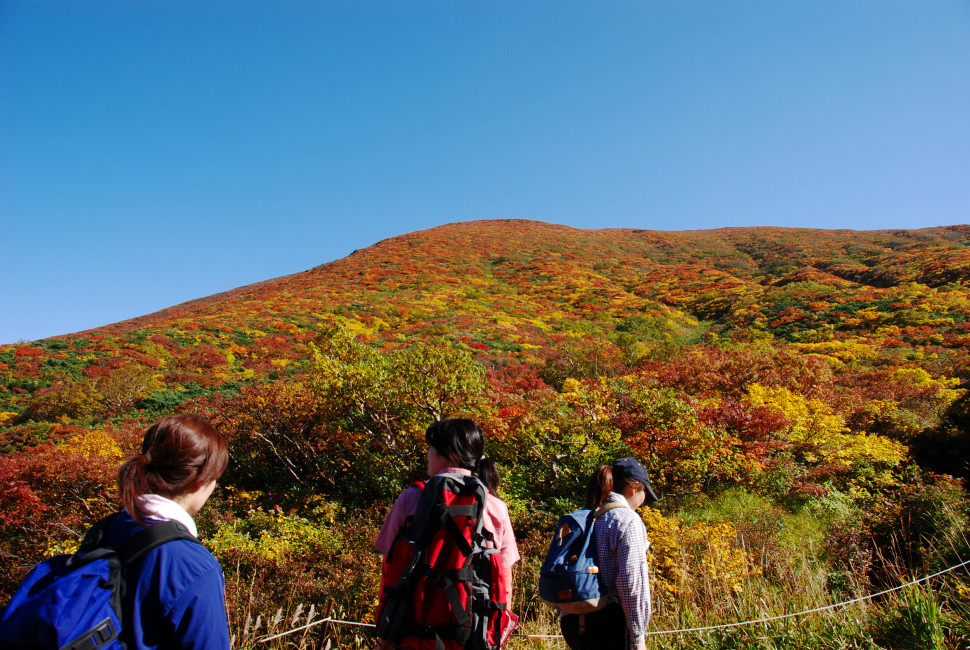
<point>441,588</point>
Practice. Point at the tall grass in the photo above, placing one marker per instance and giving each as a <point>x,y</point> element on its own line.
<point>792,563</point>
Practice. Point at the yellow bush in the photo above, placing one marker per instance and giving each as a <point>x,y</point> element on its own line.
<point>947,389</point>
<point>811,421</point>
<point>697,562</point>
<point>272,536</point>
<point>93,444</point>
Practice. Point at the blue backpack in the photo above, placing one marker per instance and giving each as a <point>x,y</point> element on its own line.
<point>569,577</point>
<point>73,602</point>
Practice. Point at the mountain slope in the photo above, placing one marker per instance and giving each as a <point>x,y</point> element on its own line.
<point>806,380</point>
<point>514,289</point>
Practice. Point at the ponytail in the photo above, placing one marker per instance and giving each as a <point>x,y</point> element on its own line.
<point>179,455</point>
<point>133,482</point>
<point>488,472</point>
<point>599,487</point>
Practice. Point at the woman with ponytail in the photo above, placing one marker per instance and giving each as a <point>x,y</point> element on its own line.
<point>457,446</point>
<point>175,596</point>
<point>621,550</point>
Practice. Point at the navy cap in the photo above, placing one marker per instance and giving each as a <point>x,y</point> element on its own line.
<point>631,468</point>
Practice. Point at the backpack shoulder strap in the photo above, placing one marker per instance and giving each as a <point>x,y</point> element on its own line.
<point>151,538</point>
<point>138,544</point>
<point>93,539</point>
<point>431,512</point>
<point>606,507</point>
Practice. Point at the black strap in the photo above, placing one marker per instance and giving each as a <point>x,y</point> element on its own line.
<point>138,544</point>
<point>98,637</point>
<point>93,538</point>
<point>151,538</point>
<point>449,523</point>
<point>423,632</point>
<point>431,511</point>
<point>450,591</point>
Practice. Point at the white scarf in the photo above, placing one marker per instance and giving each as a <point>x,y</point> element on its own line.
<point>158,508</point>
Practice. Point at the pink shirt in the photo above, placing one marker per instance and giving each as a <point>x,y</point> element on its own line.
<point>496,520</point>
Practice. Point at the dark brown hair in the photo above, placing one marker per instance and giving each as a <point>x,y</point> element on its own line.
<point>489,475</point>
<point>459,440</point>
<point>462,442</point>
<point>179,455</point>
<point>601,484</point>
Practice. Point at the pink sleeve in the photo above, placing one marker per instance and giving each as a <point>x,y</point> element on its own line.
<point>403,508</point>
<point>501,527</point>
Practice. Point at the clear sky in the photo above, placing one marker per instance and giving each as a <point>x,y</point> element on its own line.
<point>156,151</point>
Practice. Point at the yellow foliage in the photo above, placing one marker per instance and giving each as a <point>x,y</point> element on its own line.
<point>871,448</point>
<point>355,327</point>
<point>914,376</point>
<point>242,494</point>
<point>593,402</point>
<point>873,457</point>
<point>273,536</point>
<point>571,386</point>
<point>93,444</point>
<point>666,573</point>
<point>810,420</point>
<point>946,388</point>
<point>61,546</point>
<point>6,417</point>
<point>846,351</point>
<point>689,561</point>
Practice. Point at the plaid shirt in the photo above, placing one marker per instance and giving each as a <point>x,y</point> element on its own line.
<point>621,547</point>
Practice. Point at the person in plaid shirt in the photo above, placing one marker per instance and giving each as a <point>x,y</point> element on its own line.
<point>621,550</point>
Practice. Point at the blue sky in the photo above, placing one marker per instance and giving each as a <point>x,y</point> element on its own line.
<point>156,151</point>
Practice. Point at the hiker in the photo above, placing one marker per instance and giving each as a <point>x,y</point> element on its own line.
<point>176,593</point>
<point>456,447</point>
<point>621,548</point>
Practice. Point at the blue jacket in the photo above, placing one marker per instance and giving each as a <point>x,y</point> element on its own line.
<point>175,596</point>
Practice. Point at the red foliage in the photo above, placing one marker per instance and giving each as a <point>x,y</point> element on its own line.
<point>205,357</point>
<point>804,488</point>
<point>276,345</point>
<point>747,423</point>
<point>516,378</point>
<point>95,371</point>
<point>165,342</point>
<point>712,370</point>
<point>27,353</point>
<point>19,504</point>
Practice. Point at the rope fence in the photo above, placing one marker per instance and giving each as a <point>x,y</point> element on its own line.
<point>678,631</point>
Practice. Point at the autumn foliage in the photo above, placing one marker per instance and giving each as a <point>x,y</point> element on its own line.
<point>821,375</point>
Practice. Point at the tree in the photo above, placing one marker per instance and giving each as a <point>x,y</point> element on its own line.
<point>278,438</point>
<point>380,402</point>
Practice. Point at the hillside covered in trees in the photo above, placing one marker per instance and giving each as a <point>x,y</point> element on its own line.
<point>799,397</point>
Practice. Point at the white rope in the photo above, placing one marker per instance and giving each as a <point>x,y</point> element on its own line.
<point>811,611</point>
<point>314,623</point>
<point>684,630</point>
